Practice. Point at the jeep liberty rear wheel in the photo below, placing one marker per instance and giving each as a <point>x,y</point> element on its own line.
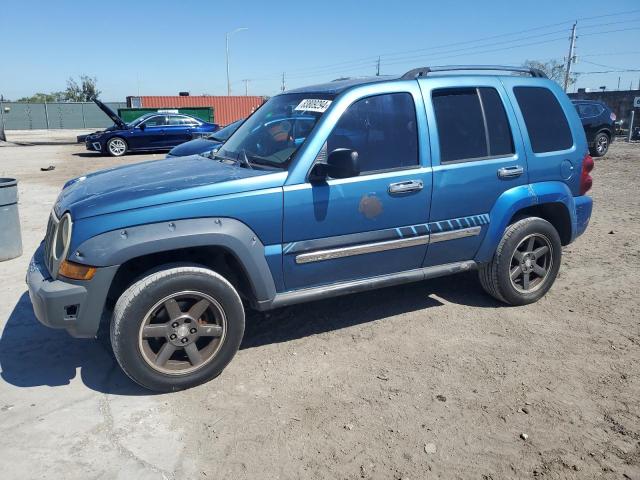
<point>177,328</point>
<point>525,264</point>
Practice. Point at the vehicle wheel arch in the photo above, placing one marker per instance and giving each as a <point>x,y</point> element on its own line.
<point>556,213</point>
<point>606,131</point>
<point>217,243</point>
<point>525,200</point>
<point>212,257</point>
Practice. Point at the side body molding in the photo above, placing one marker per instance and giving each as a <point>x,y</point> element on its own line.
<point>118,246</point>
<point>517,198</point>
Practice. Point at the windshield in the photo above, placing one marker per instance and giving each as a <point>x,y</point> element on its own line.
<point>224,133</point>
<point>273,134</point>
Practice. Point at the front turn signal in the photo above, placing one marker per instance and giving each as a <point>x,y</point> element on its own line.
<point>76,271</point>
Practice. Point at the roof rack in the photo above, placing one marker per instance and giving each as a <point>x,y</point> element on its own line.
<point>424,71</point>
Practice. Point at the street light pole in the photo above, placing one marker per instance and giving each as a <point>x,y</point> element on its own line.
<point>227,35</point>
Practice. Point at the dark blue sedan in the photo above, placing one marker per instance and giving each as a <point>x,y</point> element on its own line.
<point>205,145</point>
<point>153,131</point>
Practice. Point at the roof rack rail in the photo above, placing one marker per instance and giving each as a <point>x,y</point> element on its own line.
<point>424,71</point>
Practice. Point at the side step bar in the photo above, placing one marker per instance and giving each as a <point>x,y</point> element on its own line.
<point>354,286</point>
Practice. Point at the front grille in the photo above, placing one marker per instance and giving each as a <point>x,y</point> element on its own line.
<point>52,227</point>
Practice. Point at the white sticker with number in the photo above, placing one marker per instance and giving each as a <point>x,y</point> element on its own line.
<point>313,105</point>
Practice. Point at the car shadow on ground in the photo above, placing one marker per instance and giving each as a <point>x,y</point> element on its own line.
<point>33,355</point>
<point>303,320</point>
<point>128,154</point>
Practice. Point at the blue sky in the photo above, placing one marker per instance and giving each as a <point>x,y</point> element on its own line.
<point>161,47</point>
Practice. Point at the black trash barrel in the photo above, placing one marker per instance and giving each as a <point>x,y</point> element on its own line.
<point>10,238</point>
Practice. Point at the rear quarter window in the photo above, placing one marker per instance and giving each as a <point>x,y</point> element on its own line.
<point>544,118</point>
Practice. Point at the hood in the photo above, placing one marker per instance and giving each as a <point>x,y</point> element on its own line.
<point>152,183</point>
<point>111,114</point>
<point>194,147</point>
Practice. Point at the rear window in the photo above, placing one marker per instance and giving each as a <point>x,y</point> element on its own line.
<point>545,120</point>
<point>586,110</point>
<point>472,124</point>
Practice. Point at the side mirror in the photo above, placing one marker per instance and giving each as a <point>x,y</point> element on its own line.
<point>341,163</point>
<point>142,126</point>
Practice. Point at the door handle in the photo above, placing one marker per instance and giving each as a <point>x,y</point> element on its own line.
<point>408,186</point>
<point>510,172</point>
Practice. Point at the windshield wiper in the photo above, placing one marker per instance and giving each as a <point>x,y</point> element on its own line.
<point>265,161</point>
<point>241,160</point>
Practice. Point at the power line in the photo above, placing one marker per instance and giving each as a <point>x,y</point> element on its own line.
<point>370,59</point>
<point>609,54</point>
<point>609,71</point>
<point>609,31</point>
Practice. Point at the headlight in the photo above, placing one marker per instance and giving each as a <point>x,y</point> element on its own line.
<point>62,238</point>
<point>57,242</point>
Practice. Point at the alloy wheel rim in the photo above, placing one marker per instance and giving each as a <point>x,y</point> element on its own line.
<point>182,333</point>
<point>531,263</point>
<point>117,147</point>
<point>602,144</point>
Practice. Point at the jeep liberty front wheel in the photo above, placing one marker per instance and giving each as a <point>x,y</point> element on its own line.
<point>525,264</point>
<point>177,328</point>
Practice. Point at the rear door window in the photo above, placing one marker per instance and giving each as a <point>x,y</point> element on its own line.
<point>544,118</point>
<point>472,124</point>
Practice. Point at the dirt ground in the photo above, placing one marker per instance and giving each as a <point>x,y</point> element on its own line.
<point>430,380</point>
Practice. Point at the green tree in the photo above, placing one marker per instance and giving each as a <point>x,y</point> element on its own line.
<point>553,69</point>
<point>44,97</point>
<point>83,91</point>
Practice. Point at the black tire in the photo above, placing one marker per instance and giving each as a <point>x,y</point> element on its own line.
<point>132,310</point>
<point>600,145</point>
<point>496,276</point>
<point>116,146</point>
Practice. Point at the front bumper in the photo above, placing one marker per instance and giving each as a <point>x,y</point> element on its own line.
<point>73,305</point>
<point>93,145</point>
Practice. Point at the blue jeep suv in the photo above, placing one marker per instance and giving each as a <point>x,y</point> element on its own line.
<point>326,190</point>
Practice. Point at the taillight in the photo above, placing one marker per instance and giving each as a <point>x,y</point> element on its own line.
<point>612,116</point>
<point>585,179</point>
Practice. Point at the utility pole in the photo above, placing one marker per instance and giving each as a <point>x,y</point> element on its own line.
<point>284,85</point>
<point>226,37</point>
<point>570,58</point>
<point>246,87</point>
<point>378,67</point>
<point>618,83</point>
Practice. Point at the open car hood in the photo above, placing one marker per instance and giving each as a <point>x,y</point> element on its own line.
<point>111,114</point>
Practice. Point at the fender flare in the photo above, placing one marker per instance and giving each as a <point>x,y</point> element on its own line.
<point>119,246</point>
<point>515,199</point>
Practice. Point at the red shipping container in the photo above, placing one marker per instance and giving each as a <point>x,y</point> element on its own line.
<point>225,109</point>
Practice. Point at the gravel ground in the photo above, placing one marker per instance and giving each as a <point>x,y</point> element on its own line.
<point>430,380</point>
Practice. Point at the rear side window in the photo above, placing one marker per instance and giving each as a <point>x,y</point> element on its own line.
<point>545,120</point>
<point>382,129</point>
<point>586,110</point>
<point>472,124</point>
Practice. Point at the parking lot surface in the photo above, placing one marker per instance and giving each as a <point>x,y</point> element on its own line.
<point>429,380</point>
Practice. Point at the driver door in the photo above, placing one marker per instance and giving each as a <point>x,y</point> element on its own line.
<point>371,224</point>
<point>152,135</point>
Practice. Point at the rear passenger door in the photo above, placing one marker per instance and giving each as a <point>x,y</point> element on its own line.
<point>477,155</point>
<point>178,130</point>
